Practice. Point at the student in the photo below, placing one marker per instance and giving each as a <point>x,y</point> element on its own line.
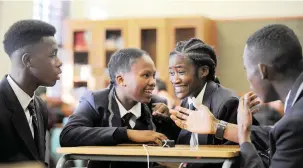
<point>32,49</point>
<point>121,113</point>
<point>192,67</point>
<point>273,62</point>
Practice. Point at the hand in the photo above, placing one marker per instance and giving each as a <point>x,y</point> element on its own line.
<point>245,110</point>
<point>160,109</point>
<point>144,136</point>
<point>201,121</point>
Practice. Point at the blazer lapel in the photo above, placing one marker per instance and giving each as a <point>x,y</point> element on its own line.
<point>117,117</point>
<point>210,88</point>
<point>146,115</point>
<point>116,120</point>
<point>19,119</point>
<point>184,135</point>
<point>41,141</point>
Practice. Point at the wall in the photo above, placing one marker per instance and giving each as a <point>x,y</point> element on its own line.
<point>231,37</point>
<point>98,9</point>
<point>10,12</point>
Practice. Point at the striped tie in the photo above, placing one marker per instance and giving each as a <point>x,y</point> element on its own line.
<point>193,140</point>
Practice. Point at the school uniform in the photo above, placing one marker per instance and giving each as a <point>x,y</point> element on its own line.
<point>223,103</point>
<point>283,142</point>
<point>23,124</point>
<point>100,119</point>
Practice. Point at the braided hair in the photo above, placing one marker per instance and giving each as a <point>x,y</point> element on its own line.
<point>199,53</point>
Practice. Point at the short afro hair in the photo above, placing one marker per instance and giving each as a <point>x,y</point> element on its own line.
<point>279,45</point>
<point>26,32</point>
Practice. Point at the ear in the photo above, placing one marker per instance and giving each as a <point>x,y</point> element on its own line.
<point>263,70</point>
<point>26,60</point>
<point>120,80</point>
<point>203,71</point>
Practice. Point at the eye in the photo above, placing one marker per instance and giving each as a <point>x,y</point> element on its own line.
<point>171,73</point>
<point>181,72</point>
<point>146,75</point>
<point>54,54</point>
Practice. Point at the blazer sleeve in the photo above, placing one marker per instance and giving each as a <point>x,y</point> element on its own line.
<point>168,128</point>
<point>228,112</point>
<point>256,154</point>
<point>166,125</point>
<point>260,137</point>
<point>81,129</point>
<point>250,157</point>
<point>288,143</point>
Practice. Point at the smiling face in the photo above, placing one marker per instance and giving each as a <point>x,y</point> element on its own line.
<point>184,77</point>
<point>140,80</point>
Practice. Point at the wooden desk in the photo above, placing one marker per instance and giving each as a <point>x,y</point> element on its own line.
<point>22,165</point>
<point>137,153</point>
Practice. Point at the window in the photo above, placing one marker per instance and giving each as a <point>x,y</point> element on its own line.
<point>53,12</point>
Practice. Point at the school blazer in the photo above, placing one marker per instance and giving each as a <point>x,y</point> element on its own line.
<point>97,121</point>
<point>16,141</point>
<point>283,142</point>
<point>222,102</point>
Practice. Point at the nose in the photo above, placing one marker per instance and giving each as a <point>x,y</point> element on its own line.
<point>152,82</point>
<point>59,63</point>
<point>174,79</point>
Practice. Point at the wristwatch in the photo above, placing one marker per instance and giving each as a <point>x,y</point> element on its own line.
<point>220,129</point>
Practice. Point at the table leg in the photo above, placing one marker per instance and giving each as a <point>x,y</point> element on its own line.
<point>228,163</point>
<point>61,162</point>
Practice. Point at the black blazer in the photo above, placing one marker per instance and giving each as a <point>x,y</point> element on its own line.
<point>222,102</point>
<point>16,141</point>
<point>284,140</point>
<point>97,121</point>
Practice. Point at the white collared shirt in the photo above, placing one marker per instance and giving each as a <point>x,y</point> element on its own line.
<point>24,100</point>
<point>300,89</point>
<point>199,100</point>
<point>136,110</point>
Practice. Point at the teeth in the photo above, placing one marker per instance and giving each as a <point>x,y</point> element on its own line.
<point>148,91</point>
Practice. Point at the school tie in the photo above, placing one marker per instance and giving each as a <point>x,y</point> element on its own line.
<point>32,111</point>
<point>193,140</point>
<point>126,118</point>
